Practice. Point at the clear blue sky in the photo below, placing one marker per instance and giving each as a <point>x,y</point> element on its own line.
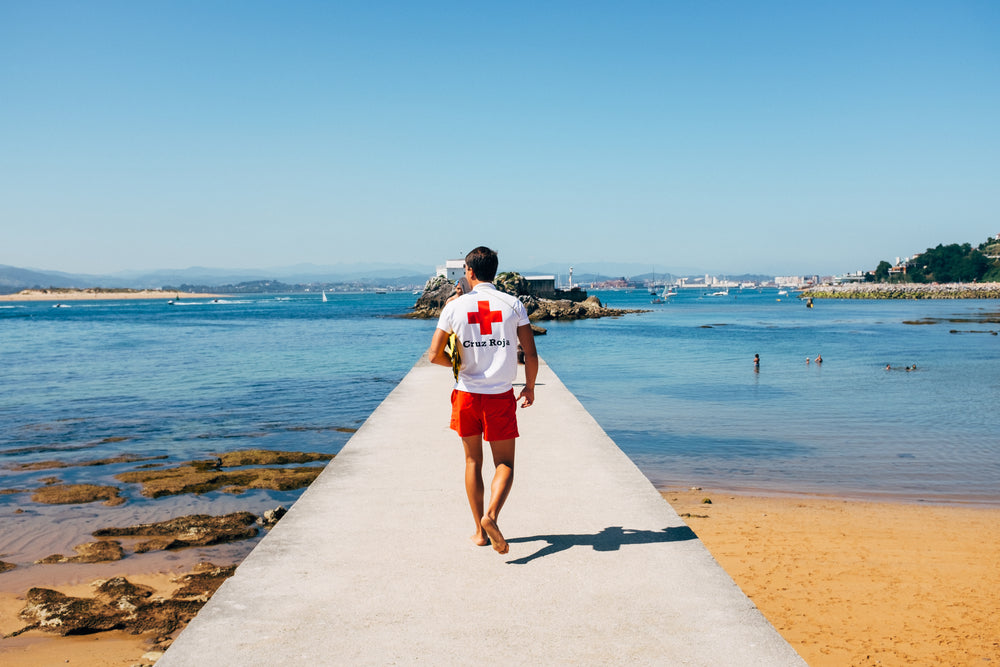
<point>772,137</point>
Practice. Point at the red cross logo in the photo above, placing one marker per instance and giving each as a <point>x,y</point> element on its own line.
<point>485,317</point>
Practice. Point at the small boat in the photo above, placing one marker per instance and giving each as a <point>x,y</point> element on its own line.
<point>381,291</point>
<point>664,295</point>
<point>722,293</point>
<point>324,296</point>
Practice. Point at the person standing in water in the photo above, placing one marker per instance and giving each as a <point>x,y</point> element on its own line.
<point>489,325</point>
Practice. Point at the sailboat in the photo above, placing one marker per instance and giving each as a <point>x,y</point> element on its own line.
<point>324,296</point>
<point>667,292</point>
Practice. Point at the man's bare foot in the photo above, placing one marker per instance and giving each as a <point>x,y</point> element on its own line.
<point>480,539</point>
<point>496,537</point>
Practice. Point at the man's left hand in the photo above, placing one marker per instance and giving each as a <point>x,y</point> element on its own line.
<point>528,394</point>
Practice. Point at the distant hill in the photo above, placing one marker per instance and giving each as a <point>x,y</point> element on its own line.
<point>14,279</point>
<point>312,276</point>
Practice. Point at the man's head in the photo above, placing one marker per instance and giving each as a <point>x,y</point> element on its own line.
<point>483,263</point>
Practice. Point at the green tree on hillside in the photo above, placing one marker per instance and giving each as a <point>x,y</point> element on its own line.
<point>950,264</point>
<point>955,263</point>
<point>990,247</point>
<point>882,271</point>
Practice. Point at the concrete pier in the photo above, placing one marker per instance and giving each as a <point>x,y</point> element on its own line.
<point>373,564</point>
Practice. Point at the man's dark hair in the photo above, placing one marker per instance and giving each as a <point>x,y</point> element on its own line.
<point>483,263</point>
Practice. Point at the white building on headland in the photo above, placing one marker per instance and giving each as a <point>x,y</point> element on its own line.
<point>452,270</point>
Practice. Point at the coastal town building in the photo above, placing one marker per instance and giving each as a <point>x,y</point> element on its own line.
<point>856,277</point>
<point>452,270</point>
<point>796,282</point>
<point>543,287</point>
<point>902,265</point>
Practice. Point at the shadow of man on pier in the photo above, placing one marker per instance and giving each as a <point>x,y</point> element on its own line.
<point>609,539</point>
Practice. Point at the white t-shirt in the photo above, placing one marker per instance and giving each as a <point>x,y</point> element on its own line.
<point>486,322</point>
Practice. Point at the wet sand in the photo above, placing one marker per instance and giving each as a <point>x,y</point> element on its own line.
<point>846,582</point>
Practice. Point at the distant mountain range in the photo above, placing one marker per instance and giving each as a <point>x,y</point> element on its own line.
<point>398,276</point>
<point>14,279</point>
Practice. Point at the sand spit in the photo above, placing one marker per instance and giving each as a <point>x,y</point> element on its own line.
<point>98,294</point>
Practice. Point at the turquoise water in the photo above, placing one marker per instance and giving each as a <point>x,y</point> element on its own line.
<point>674,387</point>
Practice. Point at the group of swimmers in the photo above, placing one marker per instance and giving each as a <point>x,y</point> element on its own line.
<point>756,361</point>
<point>819,360</point>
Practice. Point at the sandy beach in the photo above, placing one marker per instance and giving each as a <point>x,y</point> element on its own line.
<point>861,583</point>
<point>99,295</point>
<point>845,582</point>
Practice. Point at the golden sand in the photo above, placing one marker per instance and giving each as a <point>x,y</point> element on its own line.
<point>861,583</point>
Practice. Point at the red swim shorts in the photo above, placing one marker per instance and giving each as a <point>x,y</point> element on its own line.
<point>492,415</point>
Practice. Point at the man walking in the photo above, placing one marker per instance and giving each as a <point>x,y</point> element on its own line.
<point>489,324</point>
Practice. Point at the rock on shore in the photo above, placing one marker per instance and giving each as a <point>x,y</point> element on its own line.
<point>905,291</point>
<point>564,309</point>
<point>120,604</point>
<point>438,291</point>
<point>187,531</point>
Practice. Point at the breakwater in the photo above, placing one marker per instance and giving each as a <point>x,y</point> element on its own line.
<point>905,291</point>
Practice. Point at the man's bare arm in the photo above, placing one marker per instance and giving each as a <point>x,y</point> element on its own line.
<point>436,353</point>
<point>526,337</point>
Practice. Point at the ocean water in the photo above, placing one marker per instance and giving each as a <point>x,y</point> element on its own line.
<point>98,379</point>
<point>675,387</point>
<point>292,372</point>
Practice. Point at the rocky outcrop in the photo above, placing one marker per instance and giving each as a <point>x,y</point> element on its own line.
<point>208,475</point>
<point>271,517</point>
<point>563,309</point>
<point>258,457</point>
<point>177,533</point>
<point>101,551</point>
<point>187,531</point>
<point>429,304</point>
<point>48,465</point>
<point>69,494</point>
<point>118,604</point>
<point>438,291</point>
<point>905,291</point>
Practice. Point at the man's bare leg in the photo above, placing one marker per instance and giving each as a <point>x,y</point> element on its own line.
<point>474,487</point>
<point>503,480</point>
